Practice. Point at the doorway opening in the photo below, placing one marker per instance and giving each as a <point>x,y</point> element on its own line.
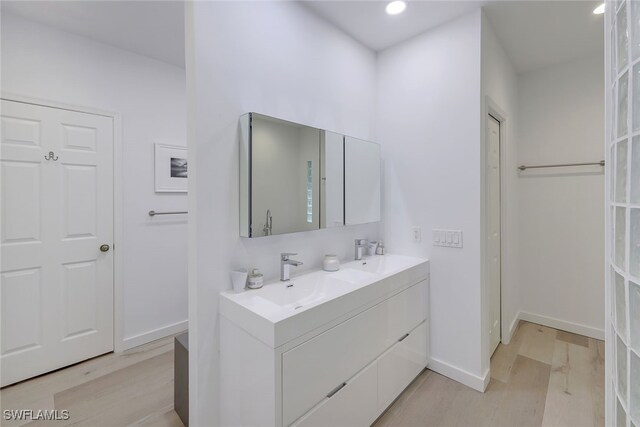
<point>493,225</point>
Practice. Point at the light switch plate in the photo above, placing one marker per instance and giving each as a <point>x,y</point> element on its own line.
<point>447,238</point>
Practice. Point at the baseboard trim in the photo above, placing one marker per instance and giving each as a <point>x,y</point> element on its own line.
<point>512,329</point>
<point>486,378</point>
<point>563,325</point>
<point>153,335</point>
<point>460,375</point>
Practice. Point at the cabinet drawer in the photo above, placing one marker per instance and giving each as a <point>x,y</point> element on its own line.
<point>316,367</point>
<point>399,365</point>
<point>354,405</point>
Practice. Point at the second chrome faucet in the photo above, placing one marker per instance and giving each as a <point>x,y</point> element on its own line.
<point>361,244</point>
<point>285,265</point>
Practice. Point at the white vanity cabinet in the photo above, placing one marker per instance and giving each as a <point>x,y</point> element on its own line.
<point>346,371</point>
<point>364,397</point>
<point>399,365</point>
<point>355,404</point>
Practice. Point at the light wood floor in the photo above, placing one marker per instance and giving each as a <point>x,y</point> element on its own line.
<point>132,388</point>
<point>544,377</point>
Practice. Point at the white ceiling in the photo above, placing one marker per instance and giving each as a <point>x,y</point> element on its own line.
<point>367,22</point>
<point>150,28</point>
<point>534,34</point>
<point>537,34</point>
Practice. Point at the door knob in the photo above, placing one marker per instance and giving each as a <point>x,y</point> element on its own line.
<point>104,248</point>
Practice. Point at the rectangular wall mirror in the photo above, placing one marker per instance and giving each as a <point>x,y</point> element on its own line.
<point>293,178</point>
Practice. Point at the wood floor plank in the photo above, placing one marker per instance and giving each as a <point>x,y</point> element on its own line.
<point>537,342</point>
<point>28,393</point>
<point>569,398</point>
<point>525,394</point>
<point>573,338</point>
<point>121,397</point>
<point>473,408</point>
<point>597,351</point>
<point>130,411</point>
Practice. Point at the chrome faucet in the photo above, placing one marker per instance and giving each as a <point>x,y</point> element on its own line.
<point>361,244</point>
<point>285,265</point>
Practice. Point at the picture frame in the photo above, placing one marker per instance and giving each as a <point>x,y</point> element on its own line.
<point>171,169</point>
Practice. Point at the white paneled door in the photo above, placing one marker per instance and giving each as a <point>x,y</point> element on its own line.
<point>56,258</point>
<point>493,228</point>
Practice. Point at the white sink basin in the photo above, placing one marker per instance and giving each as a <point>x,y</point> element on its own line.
<point>353,275</point>
<point>305,290</point>
<point>385,264</point>
<point>281,311</point>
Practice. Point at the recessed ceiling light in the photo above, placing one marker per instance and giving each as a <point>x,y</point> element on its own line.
<point>599,10</point>
<point>396,7</point>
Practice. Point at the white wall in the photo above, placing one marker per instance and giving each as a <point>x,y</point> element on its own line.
<point>44,63</point>
<point>285,62</point>
<point>429,127</point>
<point>561,111</point>
<point>500,89</point>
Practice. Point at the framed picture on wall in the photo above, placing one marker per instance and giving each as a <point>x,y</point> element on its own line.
<point>171,169</point>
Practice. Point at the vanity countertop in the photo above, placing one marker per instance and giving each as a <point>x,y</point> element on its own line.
<point>283,311</point>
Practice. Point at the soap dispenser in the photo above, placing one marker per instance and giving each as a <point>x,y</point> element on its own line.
<point>380,248</point>
<point>255,279</point>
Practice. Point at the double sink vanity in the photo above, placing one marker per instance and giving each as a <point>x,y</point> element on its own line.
<point>324,348</point>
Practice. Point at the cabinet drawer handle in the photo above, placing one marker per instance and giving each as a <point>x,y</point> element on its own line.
<point>403,337</point>
<point>337,389</point>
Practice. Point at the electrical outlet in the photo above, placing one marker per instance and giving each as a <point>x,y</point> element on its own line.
<point>416,232</point>
<point>447,238</point>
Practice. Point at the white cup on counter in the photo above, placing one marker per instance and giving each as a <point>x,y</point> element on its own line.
<point>239,279</point>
